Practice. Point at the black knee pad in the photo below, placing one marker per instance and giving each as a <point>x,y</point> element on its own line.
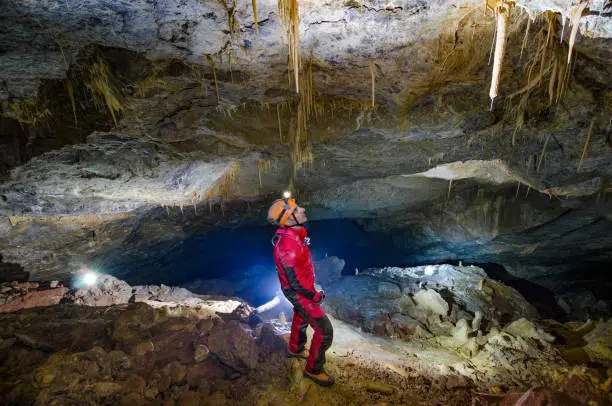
<point>327,330</point>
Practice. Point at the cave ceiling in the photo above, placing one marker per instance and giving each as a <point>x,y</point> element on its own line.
<point>128,126</point>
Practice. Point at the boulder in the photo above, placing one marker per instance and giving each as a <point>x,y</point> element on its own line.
<point>526,329</point>
<point>389,290</point>
<point>270,339</point>
<point>142,348</point>
<point>107,291</point>
<point>461,331</point>
<point>234,346</point>
<point>328,270</point>
<point>405,326</point>
<point>431,300</point>
<point>202,374</point>
<point>468,286</point>
<point>176,371</point>
<point>31,299</point>
<point>599,343</point>
<point>131,324</point>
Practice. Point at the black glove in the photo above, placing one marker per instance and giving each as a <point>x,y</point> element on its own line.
<point>318,297</point>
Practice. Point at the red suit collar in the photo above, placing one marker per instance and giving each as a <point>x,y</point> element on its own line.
<point>300,233</point>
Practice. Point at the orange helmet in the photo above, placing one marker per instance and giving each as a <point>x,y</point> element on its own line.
<point>280,211</point>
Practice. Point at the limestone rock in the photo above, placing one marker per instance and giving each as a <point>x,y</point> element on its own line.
<point>378,387</point>
<point>270,339</point>
<point>107,291</point>
<point>431,300</point>
<point>33,342</point>
<point>469,287</point>
<point>477,320</point>
<point>40,298</point>
<point>526,329</point>
<point>405,326</point>
<point>201,353</point>
<point>104,389</point>
<point>599,343</point>
<point>142,348</point>
<point>328,270</point>
<point>456,381</point>
<point>461,331</point>
<point>389,290</point>
<point>176,371</point>
<point>129,326</point>
<point>202,374</point>
<point>234,346</point>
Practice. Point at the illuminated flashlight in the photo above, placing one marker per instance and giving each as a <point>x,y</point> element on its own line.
<point>286,194</point>
<point>89,278</point>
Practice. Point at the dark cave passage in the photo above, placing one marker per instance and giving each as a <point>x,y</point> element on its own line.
<point>238,261</point>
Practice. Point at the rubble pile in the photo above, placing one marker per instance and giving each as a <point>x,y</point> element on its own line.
<point>107,291</point>
<point>130,355</point>
<point>112,343</point>
<point>493,331</point>
<point>425,300</point>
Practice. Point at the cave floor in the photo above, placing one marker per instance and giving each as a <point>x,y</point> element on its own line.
<point>139,355</point>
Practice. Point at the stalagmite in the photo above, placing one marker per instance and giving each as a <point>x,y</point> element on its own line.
<point>503,16</point>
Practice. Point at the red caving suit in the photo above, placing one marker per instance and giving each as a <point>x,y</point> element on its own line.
<point>296,275</point>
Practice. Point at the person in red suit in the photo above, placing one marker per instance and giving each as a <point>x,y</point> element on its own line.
<point>297,279</point>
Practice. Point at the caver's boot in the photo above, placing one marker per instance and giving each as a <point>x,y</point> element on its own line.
<point>301,355</point>
<point>321,378</point>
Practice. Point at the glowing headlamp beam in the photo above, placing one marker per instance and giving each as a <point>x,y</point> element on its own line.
<point>286,194</point>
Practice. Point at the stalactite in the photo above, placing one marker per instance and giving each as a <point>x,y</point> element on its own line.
<point>373,82</point>
<point>525,37</point>
<point>493,40</point>
<point>518,187</point>
<point>212,65</point>
<point>543,153</point>
<point>254,2</point>
<point>576,15</point>
<point>586,145</point>
<point>503,17</point>
<point>280,132</point>
<point>70,89</point>
<point>290,17</point>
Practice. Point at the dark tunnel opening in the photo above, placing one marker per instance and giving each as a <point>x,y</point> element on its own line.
<point>238,262</point>
<point>245,254</point>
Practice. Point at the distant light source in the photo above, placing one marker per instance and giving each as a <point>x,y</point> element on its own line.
<point>429,270</point>
<point>89,278</point>
<point>286,194</point>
